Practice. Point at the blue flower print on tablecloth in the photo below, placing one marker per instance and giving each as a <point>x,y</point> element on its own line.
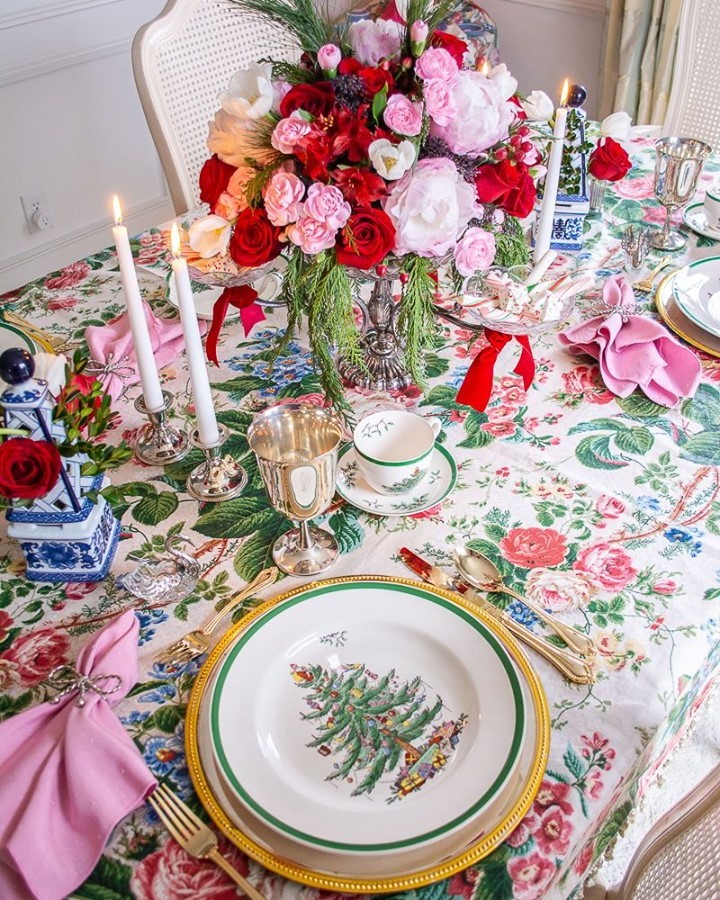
<point>164,754</point>
<point>686,538</point>
<point>147,619</point>
<point>160,694</point>
<point>171,671</point>
<point>651,504</point>
<point>136,717</point>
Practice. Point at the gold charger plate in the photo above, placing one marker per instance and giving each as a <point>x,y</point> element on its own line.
<point>677,321</point>
<point>469,855</point>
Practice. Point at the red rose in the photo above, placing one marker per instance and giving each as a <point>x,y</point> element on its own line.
<point>37,653</point>
<point>375,79</point>
<point>367,239</point>
<point>28,469</point>
<point>532,548</point>
<point>214,177</point>
<point>609,161</point>
<point>317,99</point>
<point>348,65</point>
<point>255,240</point>
<point>508,185</point>
<point>360,187</point>
<point>454,46</point>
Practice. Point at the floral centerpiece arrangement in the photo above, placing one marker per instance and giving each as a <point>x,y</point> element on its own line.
<point>378,150</point>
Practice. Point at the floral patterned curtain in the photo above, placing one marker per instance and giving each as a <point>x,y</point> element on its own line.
<point>639,58</point>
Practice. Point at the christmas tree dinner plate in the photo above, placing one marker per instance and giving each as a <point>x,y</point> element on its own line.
<point>381,717</point>
<point>402,869</point>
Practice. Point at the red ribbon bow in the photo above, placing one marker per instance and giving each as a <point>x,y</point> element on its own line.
<point>476,388</point>
<point>242,298</point>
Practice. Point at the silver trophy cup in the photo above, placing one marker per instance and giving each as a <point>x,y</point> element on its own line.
<point>296,446</point>
<point>678,164</point>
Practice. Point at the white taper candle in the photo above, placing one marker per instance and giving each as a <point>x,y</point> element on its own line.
<point>149,378</point>
<point>202,395</point>
<point>543,233</point>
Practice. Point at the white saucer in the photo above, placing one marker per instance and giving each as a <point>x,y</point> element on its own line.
<point>695,218</point>
<point>432,490</point>
<point>268,287</point>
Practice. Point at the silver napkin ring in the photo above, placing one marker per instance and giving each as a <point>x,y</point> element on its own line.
<point>67,679</point>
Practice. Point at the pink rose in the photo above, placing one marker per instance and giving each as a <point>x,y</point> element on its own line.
<point>76,590</point>
<point>485,115</point>
<point>436,63</point>
<point>665,586</point>
<point>553,832</point>
<point>608,564</point>
<point>534,548</point>
<point>62,303</point>
<point>558,591</point>
<point>170,872</point>
<point>609,507</point>
<point>418,31</point>
<point>530,876</point>
<point>585,380</point>
<point>282,196</point>
<point>288,132</point>
<point>636,188</point>
<point>428,513</point>
<point>312,236</point>
<point>327,204</point>
<point>475,251</point>
<point>227,206</point>
<point>37,653</point>
<point>403,116</point>
<point>439,101</point>
<point>329,57</point>
<point>68,277</point>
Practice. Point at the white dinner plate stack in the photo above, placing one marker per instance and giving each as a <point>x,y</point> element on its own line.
<point>689,301</point>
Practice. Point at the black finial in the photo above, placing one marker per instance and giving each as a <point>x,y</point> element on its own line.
<point>16,365</point>
<point>577,95</point>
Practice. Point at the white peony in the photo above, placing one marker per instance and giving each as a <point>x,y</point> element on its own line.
<point>374,40</point>
<point>506,84</point>
<point>231,139</point>
<point>559,591</point>
<point>616,126</point>
<point>391,161</point>
<point>250,92</point>
<point>210,236</point>
<point>50,367</point>
<point>484,119</point>
<point>538,106</point>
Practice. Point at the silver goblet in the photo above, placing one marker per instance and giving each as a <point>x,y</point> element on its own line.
<point>296,446</point>
<point>678,164</point>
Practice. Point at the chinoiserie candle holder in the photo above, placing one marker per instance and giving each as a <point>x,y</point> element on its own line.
<point>158,443</point>
<point>219,477</point>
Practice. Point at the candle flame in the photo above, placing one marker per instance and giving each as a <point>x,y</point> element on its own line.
<point>485,68</point>
<point>117,209</point>
<point>565,92</point>
<point>175,241</point>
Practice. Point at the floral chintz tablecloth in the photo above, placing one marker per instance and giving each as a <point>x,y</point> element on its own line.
<point>580,498</point>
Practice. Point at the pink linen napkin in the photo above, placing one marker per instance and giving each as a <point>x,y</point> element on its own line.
<point>113,354</point>
<point>633,350</point>
<point>69,774</point>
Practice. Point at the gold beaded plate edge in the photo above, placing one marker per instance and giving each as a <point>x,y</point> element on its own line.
<point>678,322</point>
<point>419,878</point>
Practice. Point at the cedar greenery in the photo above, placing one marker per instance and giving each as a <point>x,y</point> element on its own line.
<point>416,320</point>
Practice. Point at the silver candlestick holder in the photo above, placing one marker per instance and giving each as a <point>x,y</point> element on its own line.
<point>219,477</point>
<point>158,443</point>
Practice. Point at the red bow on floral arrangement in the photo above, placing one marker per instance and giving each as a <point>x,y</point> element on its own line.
<point>242,298</point>
<point>476,388</point>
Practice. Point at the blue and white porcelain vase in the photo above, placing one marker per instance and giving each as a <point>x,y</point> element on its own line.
<point>65,536</point>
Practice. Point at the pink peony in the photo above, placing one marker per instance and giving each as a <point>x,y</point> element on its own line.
<point>609,507</point>
<point>37,653</point>
<point>439,101</point>
<point>530,876</point>
<point>558,591</point>
<point>485,118</point>
<point>282,196</point>
<point>534,548</point>
<point>475,251</point>
<point>375,40</point>
<point>288,132</point>
<point>403,116</point>
<point>430,208</point>
<point>436,63</point>
<point>608,564</point>
<point>312,236</point>
<point>68,277</point>
<point>327,204</point>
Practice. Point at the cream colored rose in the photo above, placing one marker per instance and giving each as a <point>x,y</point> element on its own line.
<point>210,236</point>
<point>250,92</point>
<point>558,591</point>
<point>390,160</point>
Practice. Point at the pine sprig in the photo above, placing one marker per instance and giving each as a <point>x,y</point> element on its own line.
<point>254,187</point>
<point>299,18</point>
<point>511,248</point>
<point>290,72</point>
<point>416,320</point>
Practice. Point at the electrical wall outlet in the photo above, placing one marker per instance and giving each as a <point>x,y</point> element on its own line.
<point>36,211</point>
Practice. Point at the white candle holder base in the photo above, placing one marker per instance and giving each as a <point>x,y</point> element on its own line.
<point>157,443</point>
<point>218,477</point>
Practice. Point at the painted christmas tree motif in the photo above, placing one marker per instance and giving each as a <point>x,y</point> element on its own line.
<point>376,726</point>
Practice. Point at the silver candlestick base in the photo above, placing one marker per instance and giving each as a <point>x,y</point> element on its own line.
<point>157,443</point>
<point>218,477</point>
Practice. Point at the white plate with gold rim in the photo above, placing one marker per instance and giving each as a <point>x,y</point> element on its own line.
<point>382,717</point>
<point>696,289</point>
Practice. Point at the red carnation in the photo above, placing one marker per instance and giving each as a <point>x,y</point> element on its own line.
<point>508,185</point>
<point>28,469</point>
<point>214,177</point>
<point>317,99</point>
<point>367,239</point>
<point>454,46</point>
<point>609,161</point>
<point>360,187</point>
<point>255,240</point>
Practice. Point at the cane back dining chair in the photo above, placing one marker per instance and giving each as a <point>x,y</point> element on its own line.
<point>695,93</point>
<point>679,859</point>
<point>181,61</point>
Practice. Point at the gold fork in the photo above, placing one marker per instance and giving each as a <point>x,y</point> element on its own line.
<point>53,342</point>
<point>646,284</point>
<point>198,641</point>
<point>194,836</point>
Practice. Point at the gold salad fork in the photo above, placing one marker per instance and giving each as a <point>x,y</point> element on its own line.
<point>194,836</point>
<point>197,642</point>
<point>646,284</point>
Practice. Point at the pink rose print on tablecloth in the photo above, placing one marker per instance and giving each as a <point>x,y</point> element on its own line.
<point>609,565</point>
<point>533,548</point>
<point>76,590</point>
<point>63,303</point>
<point>5,623</point>
<point>37,653</point>
<point>68,277</point>
<point>609,507</point>
<point>585,381</point>
<point>635,188</point>
<point>530,875</point>
<point>170,873</point>
<point>559,591</point>
<point>152,248</point>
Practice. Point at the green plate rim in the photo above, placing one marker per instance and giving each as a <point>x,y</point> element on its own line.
<point>31,345</point>
<point>682,309</point>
